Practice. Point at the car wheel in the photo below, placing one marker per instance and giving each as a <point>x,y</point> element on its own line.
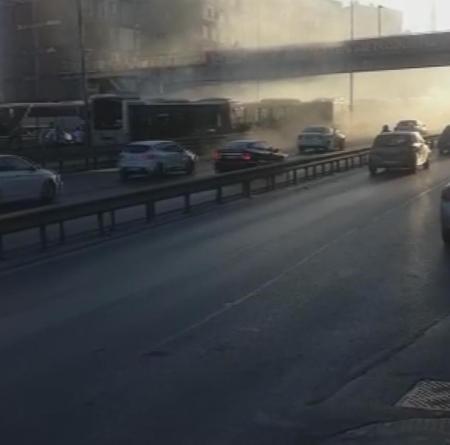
<point>124,175</point>
<point>413,169</point>
<point>48,192</point>
<point>446,236</point>
<point>373,170</point>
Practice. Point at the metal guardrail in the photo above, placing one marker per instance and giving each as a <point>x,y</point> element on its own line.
<point>295,171</point>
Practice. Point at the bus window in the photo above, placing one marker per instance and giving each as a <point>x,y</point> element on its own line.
<point>38,111</point>
<point>107,114</point>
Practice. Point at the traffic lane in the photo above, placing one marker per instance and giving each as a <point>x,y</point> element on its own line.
<point>289,261</point>
<point>23,245</point>
<point>88,226</point>
<point>91,182</point>
<point>99,182</point>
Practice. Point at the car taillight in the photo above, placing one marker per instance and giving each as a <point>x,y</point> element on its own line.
<point>246,156</point>
<point>216,155</point>
<point>446,194</point>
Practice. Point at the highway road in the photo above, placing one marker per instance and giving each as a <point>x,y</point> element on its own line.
<point>92,184</point>
<point>98,183</point>
<point>271,321</point>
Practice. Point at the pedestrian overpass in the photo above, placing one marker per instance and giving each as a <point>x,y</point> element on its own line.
<point>243,65</point>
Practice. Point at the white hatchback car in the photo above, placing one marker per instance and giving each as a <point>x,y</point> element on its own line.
<point>21,180</point>
<point>155,158</point>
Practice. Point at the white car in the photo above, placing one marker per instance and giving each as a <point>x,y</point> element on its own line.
<point>445,214</point>
<point>21,180</point>
<point>155,158</point>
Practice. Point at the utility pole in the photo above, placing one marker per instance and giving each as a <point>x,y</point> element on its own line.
<point>258,43</point>
<point>36,50</point>
<point>352,74</point>
<point>433,16</point>
<point>83,73</point>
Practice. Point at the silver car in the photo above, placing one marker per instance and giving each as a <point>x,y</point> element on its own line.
<point>21,180</point>
<point>399,150</point>
<point>155,158</point>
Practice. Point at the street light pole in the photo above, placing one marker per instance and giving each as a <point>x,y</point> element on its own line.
<point>433,16</point>
<point>83,72</point>
<point>258,43</point>
<point>36,51</point>
<point>352,74</point>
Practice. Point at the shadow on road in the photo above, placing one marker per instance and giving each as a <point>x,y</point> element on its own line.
<point>390,175</point>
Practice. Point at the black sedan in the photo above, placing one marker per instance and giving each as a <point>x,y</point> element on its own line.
<point>241,154</point>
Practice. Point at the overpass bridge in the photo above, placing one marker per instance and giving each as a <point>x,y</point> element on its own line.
<point>241,65</point>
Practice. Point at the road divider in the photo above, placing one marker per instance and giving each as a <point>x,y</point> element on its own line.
<point>247,182</point>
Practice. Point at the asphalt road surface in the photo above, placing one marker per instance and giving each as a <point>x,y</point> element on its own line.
<point>258,323</point>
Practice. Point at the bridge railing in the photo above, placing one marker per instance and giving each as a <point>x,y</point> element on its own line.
<point>104,209</point>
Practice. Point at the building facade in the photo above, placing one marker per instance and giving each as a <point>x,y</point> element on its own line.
<point>41,50</point>
<point>255,23</point>
<point>44,46</point>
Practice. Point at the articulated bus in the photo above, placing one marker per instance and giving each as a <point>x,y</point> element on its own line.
<point>117,120</point>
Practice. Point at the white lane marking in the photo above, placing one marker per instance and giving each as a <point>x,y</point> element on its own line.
<point>232,305</point>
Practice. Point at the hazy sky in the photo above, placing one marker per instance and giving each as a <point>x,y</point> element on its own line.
<point>418,12</point>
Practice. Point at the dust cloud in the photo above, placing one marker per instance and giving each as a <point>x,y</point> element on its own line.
<point>380,98</point>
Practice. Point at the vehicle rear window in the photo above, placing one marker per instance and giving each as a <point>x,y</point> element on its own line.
<point>322,130</point>
<point>407,124</point>
<point>260,145</point>
<point>137,149</point>
<point>238,146</point>
<point>394,140</point>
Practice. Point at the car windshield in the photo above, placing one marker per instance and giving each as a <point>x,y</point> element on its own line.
<point>135,149</point>
<point>394,140</point>
<point>239,145</point>
<point>321,130</point>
